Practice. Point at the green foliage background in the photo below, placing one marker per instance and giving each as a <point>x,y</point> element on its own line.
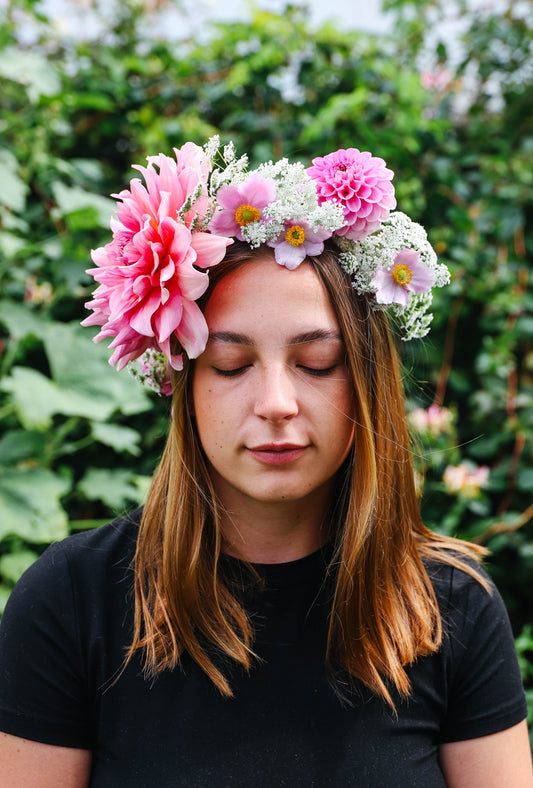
<point>79,441</point>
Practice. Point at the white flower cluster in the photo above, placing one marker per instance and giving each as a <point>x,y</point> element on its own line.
<point>234,170</point>
<point>361,260</point>
<point>296,197</point>
<point>296,201</point>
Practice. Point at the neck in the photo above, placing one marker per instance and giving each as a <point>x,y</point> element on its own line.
<point>277,532</point>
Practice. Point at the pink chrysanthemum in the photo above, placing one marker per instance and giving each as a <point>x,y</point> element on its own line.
<point>406,275</point>
<point>242,205</point>
<point>147,274</point>
<point>361,183</point>
<point>297,242</point>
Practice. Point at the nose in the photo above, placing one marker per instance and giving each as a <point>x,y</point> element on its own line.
<point>276,396</point>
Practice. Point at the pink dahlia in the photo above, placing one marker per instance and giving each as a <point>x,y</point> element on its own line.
<point>297,242</point>
<point>148,277</point>
<point>406,275</point>
<point>361,183</point>
<point>242,205</point>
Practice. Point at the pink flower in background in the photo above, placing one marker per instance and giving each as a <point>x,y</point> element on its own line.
<point>434,421</point>
<point>435,80</point>
<point>297,242</point>
<point>465,479</point>
<point>242,205</point>
<point>406,275</point>
<point>147,274</point>
<point>361,183</point>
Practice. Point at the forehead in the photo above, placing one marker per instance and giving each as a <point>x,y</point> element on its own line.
<point>263,295</point>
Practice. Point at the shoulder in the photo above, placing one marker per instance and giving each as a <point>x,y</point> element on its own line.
<point>63,634</point>
<point>483,685</point>
<point>475,623</point>
<point>461,587</point>
<point>113,543</point>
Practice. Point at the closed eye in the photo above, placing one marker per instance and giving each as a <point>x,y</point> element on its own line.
<point>318,372</point>
<point>230,373</point>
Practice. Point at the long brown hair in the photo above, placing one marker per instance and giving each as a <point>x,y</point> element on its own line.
<point>384,611</point>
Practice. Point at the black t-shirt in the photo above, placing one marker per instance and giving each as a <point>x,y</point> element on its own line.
<point>69,620</point>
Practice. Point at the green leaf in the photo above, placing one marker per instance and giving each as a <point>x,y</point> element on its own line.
<point>14,190</point>
<point>524,326</point>
<point>31,69</point>
<point>17,445</point>
<point>30,505</point>
<point>73,199</point>
<point>81,368</point>
<point>37,399</point>
<point>524,479</point>
<point>13,565</point>
<point>83,384</point>
<point>118,437</point>
<point>10,245</point>
<point>20,320</point>
<point>116,488</point>
<point>5,592</point>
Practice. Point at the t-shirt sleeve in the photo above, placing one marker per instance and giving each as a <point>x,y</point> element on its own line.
<point>485,691</point>
<point>43,693</point>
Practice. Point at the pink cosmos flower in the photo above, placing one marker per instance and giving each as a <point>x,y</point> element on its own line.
<point>242,205</point>
<point>297,242</point>
<point>361,183</point>
<point>148,274</point>
<point>406,275</point>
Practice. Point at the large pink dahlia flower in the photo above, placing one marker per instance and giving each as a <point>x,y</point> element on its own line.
<point>148,274</point>
<point>361,183</point>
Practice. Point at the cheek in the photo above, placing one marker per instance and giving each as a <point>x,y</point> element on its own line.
<point>213,415</point>
<point>202,397</point>
<point>342,418</point>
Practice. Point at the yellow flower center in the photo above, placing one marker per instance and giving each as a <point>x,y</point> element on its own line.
<point>402,275</point>
<point>295,235</point>
<point>245,214</point>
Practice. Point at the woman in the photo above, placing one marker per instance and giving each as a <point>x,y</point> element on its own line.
<point>278,614</point>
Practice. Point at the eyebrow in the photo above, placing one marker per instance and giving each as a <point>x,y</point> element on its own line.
<point>317,335</point>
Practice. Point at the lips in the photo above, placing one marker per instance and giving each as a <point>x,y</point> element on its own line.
<point>277,453</point>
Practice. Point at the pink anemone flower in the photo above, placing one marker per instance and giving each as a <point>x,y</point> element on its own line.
<point>360,183</point>
<point>406,275</point>
<point>242,205</point>
<point>147,275</point>
<point>297,242</point>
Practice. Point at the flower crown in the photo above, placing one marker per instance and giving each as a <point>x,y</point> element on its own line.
<point>179,223</point>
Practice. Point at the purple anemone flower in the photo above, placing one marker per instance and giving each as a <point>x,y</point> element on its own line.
<point>242,205</point>
<point>406,275</point>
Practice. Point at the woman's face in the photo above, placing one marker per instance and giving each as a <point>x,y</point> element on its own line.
<point>272,395</point>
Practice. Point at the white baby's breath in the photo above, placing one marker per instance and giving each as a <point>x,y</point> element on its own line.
<point>361,259</point>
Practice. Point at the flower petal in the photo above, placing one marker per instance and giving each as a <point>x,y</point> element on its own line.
<point>288,255</point>
<point>210,249</point>
<point>192,331</point>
